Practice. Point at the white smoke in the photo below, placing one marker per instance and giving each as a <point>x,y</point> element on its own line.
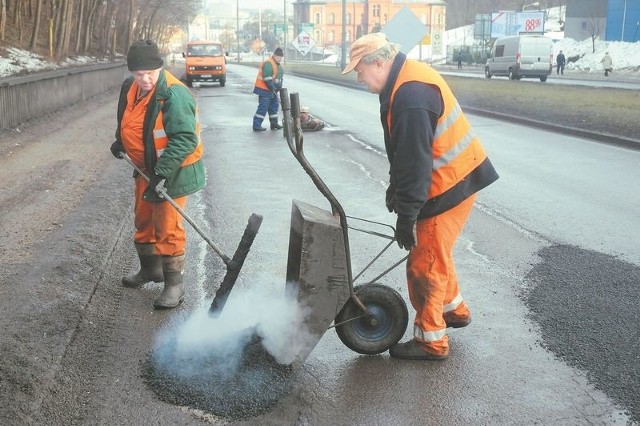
<point>277,318</point>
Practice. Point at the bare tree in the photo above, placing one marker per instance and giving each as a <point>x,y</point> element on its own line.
<point>36,26</point>
<point>3,17</point>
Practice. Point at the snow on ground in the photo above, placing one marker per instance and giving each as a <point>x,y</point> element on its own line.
<point>15,61</point>
<point>626,56</point>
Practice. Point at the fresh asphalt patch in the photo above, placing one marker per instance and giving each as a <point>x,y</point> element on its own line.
<point>237,380</point>
<point>586,303</point>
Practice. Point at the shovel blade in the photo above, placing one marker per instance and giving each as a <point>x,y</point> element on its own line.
<point>234,266</point>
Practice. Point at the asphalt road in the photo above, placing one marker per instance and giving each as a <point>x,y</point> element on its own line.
<point>547,262</point>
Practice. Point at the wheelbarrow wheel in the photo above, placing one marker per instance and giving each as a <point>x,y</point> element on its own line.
<point>383,325</point>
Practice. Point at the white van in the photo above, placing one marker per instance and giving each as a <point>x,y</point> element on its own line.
<point>521,56</point>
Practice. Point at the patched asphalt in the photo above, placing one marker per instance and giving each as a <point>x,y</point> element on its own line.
<point>586,304</point>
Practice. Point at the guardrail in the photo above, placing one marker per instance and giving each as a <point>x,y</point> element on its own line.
<point>27,97</point>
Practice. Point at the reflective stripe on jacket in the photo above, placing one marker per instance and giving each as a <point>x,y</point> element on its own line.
<point>460,164</point>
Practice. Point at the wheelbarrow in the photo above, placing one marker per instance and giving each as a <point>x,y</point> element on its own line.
<point>369,318</point>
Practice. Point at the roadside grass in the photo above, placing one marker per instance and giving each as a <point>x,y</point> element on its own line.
<point>604,110</point>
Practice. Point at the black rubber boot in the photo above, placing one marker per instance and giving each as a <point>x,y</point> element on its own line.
<point>150,267</point>
<point>173,293</point>
<point>274,124</point>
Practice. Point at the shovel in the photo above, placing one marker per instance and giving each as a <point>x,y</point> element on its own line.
<point>233,264</point>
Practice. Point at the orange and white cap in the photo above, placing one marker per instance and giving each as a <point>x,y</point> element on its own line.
<point>364,46</point>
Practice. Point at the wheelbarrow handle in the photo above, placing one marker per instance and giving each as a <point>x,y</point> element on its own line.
<point>163,193</point>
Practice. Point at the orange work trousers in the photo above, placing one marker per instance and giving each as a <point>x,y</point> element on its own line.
<point>431,276</point>
<point>159,223</point>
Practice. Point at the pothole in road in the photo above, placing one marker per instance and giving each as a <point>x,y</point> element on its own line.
<point>235,379</point>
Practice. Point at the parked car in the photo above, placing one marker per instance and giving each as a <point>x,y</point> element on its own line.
<point>523,56</point>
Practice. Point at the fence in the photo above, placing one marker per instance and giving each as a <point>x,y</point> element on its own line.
<point>27,97</point>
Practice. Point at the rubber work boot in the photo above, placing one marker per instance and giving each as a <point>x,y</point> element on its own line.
<point>274,124</point>
<point>457,321</point>
<point>173,293</point>
<point>412,350</point>
<point>150,267</point>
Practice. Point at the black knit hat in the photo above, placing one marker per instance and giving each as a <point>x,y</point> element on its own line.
<point>278,52</point>
<point>144,55</point>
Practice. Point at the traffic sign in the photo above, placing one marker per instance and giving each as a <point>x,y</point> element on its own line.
<point>303,42</point>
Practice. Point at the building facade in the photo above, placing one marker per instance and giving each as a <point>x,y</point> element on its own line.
<point>623,21</point>
<point>610,20</point>
<point>323,20</point>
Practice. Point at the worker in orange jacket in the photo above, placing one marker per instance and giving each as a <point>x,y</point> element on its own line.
<point>437,165</point>
<point>159,130</point>
<point>268,84</point>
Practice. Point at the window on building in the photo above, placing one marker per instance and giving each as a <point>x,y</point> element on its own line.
<point>384,19</point>
<point>332,36</point>
<point>376,10</point>
<point>332,19</point>
<point>317,19</point>
<point>348,19</point>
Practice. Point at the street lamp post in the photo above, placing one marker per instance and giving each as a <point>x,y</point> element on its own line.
<point>534,4</point>
<point>238,27</point>
<point>284,44</point>
<point>343,47</point>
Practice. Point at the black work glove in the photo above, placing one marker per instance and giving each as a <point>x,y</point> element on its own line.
<point>156,183</point>
<point>117,150</point>
<point>406,233</point>
<point>391,198</point>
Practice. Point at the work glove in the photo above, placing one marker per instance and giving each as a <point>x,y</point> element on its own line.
<point>391,198</point>
<point>156,183</point>
<point>117,150</point>
<point>406,233</point>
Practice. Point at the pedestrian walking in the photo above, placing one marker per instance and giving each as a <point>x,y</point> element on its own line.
<point>459,57</point>
<point>268,84</point>
<point>607,64</point>
<point>436,166</point>
<point>560,63</point>
<point>159,130</point>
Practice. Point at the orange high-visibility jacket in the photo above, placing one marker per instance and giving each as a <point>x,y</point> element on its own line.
<point>261,80</point>
<point>181,161</point>
<point>457,152</point>
<point>160,138</point>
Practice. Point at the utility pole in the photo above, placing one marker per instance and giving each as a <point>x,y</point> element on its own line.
<point>343,47</point>
<point>284,46</point>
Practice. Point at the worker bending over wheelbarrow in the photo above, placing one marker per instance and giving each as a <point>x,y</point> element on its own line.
<point>437,165</point>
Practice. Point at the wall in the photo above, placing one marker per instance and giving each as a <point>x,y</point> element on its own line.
<point>623,21</point>
<point>27,97</point>
<point>585,18</point>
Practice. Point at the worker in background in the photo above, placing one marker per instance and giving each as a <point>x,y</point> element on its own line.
<point>268,84</point>
<point>158,129</point>
<point>309,123</point>
<point>437,165</point>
